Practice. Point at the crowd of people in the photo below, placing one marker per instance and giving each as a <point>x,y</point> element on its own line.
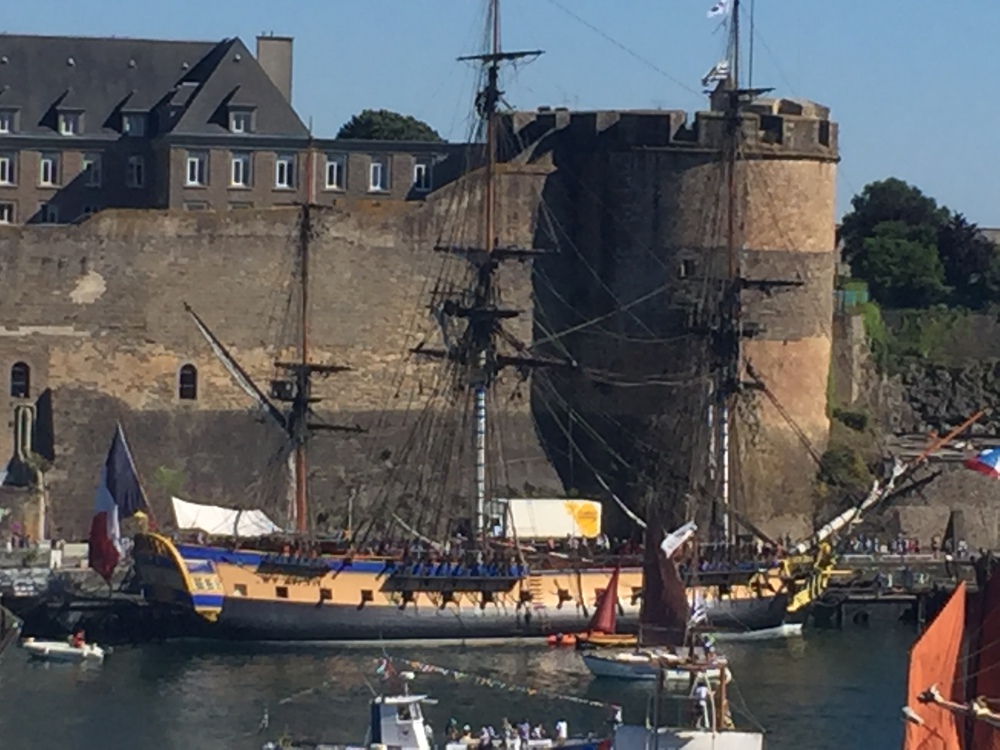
<point>509,736</point>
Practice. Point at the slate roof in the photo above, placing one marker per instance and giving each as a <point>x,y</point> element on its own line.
<point>104,76</point>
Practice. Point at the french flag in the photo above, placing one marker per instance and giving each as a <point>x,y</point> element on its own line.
<point>119,495</point>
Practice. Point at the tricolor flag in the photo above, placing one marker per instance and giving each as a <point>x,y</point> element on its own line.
<point>699,612</point>
<point>119,496</point>
<point>986,462</point>
<point>718,9</point>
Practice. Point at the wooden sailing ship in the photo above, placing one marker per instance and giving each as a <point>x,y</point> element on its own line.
<point>304,587</point>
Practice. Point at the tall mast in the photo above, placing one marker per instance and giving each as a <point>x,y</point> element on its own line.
<point>301,508</point>
<point>477,348</point>
<point>731,296</point>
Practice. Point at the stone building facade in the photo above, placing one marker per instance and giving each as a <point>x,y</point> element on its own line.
<point>88,124</point>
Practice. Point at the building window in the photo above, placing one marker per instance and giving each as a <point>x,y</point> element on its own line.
<point>48,170</point>
<point>187,383</point>
<point>70,123</point>
<point>240,173</point>
<point>336,172</point>
<point>135,176</point>
<point>92,169</point>
<point>134,125</point>
<point>197,169</point>
<point>241,122</point>
<point>196,206</point>
<point>6,169</point>
<point>6,121</point>
<point>284,171</point>
<point>20,380</point>
<point>48,213</point>
<point>422,176</point>
<point>6,213</point>
<point>378,176</point>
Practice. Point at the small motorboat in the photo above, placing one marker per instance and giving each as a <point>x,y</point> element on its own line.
<point>63,651</point>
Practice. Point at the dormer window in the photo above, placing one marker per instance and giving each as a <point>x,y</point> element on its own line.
<point>241,122</point>
<point>70,123</point>
<point>134,124</point>
<point>7,121</point>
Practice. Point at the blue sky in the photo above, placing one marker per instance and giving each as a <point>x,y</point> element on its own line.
<point>911,82</point>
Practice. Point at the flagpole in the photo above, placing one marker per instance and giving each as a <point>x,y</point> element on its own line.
<point>138,475</point>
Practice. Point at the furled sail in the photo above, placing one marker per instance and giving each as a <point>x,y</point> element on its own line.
<point>219,521</point>
<point>934,662</point>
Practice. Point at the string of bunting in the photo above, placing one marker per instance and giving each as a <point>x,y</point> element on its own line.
<point>424,668</point>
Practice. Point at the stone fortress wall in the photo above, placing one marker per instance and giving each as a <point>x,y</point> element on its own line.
<point>633,201</point>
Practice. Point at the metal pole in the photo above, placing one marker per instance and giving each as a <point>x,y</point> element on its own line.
<point>725,473</point>
<point>481,524</point>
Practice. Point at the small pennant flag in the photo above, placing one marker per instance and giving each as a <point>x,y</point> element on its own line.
<point>718,9</point>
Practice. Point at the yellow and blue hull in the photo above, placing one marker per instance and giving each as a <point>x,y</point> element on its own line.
<point>248,594</point>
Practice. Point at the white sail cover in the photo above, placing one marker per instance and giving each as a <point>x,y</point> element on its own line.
<point>213,519</point>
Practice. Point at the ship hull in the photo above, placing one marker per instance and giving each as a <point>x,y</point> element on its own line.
<point>249,595</point>
<point>245,619</point>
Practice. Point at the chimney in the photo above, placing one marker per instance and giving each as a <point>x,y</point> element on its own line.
<point>274,53</point>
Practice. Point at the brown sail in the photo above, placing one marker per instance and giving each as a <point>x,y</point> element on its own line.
<point>663,617</point>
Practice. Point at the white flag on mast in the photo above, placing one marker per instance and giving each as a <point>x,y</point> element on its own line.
<point>718,9</point>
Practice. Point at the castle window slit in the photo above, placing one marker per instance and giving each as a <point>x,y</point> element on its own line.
<point>20,380</point>
<point>187,383</point>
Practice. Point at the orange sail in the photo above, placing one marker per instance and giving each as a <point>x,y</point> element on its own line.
<point>605,619</point>
<point>987,665</point>
<point>934,662</point>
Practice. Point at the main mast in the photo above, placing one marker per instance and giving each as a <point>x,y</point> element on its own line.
<point>477,349</point>
<point>731,294</point>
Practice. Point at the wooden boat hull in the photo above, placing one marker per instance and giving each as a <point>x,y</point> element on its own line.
<point>630,666</point>
<point>239,595</point>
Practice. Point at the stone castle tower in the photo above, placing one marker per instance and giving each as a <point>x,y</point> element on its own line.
<point>637,205</point>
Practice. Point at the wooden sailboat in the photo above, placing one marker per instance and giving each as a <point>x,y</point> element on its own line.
<point>953,685</point>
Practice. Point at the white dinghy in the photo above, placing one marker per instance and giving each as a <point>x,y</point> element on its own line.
<point>62,651</point>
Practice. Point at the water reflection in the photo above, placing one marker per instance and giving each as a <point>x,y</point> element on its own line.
<point>827,690</point>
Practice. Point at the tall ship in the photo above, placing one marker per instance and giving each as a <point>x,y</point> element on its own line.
<point>415,568</point>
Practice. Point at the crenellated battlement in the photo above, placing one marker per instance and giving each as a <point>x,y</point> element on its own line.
<point>782,128</point>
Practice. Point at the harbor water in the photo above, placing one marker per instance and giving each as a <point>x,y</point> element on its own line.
<point>825,690</point>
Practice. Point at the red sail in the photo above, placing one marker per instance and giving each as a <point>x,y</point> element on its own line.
<point>987,677</point>
<point>934,662</point>
<point>663,618</point>
<point>605,619</point>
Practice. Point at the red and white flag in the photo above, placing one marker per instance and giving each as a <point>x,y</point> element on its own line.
<point>119,495</point>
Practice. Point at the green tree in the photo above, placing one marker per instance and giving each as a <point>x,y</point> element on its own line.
<point>887,200</point>
<point>383,125</point>
<point>971,263</point>
<point>901,265</point>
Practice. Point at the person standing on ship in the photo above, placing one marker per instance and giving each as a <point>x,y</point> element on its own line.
<point>562,732</point>
<point>701,696</point>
